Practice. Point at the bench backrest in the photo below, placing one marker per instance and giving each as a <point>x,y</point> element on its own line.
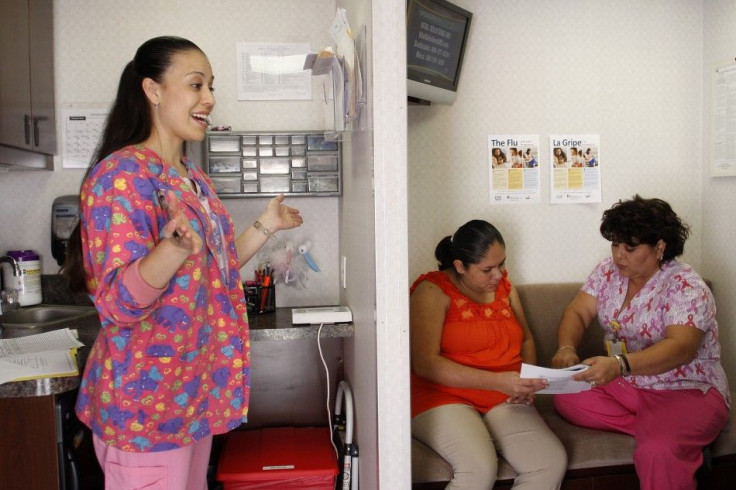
<point>543,307</point>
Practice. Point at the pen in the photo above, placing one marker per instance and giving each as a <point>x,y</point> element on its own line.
<point>265,291</point>
<point>165,207</point>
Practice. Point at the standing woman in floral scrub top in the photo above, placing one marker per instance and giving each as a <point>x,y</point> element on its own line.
<point>662,381</point>
<point>157,252</point>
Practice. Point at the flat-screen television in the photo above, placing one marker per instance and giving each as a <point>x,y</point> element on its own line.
<point>436,35</point>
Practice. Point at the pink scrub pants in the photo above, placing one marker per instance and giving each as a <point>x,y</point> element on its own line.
<point>671,427</point>
<point>184,468</point>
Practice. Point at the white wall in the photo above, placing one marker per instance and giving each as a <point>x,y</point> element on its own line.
<point>719,194</point>
<point>357,245</point>
<point>93,41</point>
<point>625,69</point>
<point>637,73</point>
<point>373,225</point>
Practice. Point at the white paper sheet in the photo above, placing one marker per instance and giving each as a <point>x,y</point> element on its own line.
<point>273,71</point>
<point>45,355</point>
<point>560,380</point>
<point>62,339</point>
<point>575,168</point>
<point>514,168</point>
<point>51,364</point>
<point>723,133</point>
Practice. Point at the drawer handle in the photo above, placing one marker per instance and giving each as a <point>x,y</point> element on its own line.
<point>36,134</point>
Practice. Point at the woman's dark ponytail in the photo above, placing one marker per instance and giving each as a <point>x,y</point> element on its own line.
<point>469,244</point>
<point>443,253</point>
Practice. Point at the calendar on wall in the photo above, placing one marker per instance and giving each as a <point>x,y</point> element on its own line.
<point>81,131</point>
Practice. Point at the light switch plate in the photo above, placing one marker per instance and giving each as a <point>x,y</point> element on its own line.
<point>344,271</point>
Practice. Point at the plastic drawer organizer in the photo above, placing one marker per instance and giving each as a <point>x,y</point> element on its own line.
<point>258,164</point>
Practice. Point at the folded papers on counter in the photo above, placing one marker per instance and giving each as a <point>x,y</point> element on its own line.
<point>45,355</point>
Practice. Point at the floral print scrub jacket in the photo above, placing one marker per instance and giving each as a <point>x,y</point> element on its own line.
<point>675,295</point>
<point>163,375</point>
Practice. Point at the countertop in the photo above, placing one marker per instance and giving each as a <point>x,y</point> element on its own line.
<point>268,326</point>
<point>87,329</point>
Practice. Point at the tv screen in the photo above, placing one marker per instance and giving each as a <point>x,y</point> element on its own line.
<point>436,35</point>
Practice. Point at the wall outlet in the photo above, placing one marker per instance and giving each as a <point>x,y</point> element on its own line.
<point>344,271</point>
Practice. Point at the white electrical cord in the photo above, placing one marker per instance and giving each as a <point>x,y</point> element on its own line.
<point>327,374</point>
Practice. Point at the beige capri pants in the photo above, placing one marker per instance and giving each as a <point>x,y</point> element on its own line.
<point>469,440</point>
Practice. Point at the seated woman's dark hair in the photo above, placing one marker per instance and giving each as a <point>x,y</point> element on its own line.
<point>129,122</point>
<point>646,221</point>
<point>469,244</point>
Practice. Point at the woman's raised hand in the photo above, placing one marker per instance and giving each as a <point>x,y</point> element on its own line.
<point>179,229</point>
<point>279,216</point>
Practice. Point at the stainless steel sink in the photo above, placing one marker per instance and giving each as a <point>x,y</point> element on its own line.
<point>44,315</point>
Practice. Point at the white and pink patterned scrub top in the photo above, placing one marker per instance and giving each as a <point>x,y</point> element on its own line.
<point>675,295</point>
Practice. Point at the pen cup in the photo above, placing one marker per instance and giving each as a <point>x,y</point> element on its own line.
<point>260,299</point>
<point>268,299</point>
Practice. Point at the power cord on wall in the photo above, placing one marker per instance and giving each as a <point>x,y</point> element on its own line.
<point>327,375</point>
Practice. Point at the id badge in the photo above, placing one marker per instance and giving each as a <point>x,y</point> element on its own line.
<point>615,348</point>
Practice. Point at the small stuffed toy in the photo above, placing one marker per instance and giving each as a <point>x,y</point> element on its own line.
<point>304,250</point>
<point>287,262</point>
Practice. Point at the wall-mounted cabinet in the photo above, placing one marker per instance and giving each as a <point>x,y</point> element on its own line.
<point>260,164</point>
<point>27,117</point>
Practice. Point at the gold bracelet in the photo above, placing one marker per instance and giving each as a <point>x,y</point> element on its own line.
<point>262,228</point>
<point>566,347</point>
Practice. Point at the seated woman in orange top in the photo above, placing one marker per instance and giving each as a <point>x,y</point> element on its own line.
<point>468,340</point>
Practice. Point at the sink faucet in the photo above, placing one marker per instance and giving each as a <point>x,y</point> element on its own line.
<point>13,263</point>
<point>4,300</point>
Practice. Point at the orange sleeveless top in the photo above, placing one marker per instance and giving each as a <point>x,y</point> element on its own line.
<point>484,336</point>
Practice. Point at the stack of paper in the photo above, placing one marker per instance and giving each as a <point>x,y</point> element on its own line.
<point>45,355</point>
<point>560,380</point>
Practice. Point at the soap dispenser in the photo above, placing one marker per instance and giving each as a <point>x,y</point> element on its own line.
<point>64,217</point>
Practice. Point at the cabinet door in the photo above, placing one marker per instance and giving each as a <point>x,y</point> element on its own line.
<point>15,76</point>
<point>28,443</point>
<point>27,77</point>
<point>41,46</point>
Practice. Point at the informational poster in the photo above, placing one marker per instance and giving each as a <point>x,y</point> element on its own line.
<point>513,168</point>
<point>723,131</point>
<point>81,131</point>
<point>273,71</point>
<point>575,168</point>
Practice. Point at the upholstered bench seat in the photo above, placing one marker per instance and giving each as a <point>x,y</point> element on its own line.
<point>594,456</point>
